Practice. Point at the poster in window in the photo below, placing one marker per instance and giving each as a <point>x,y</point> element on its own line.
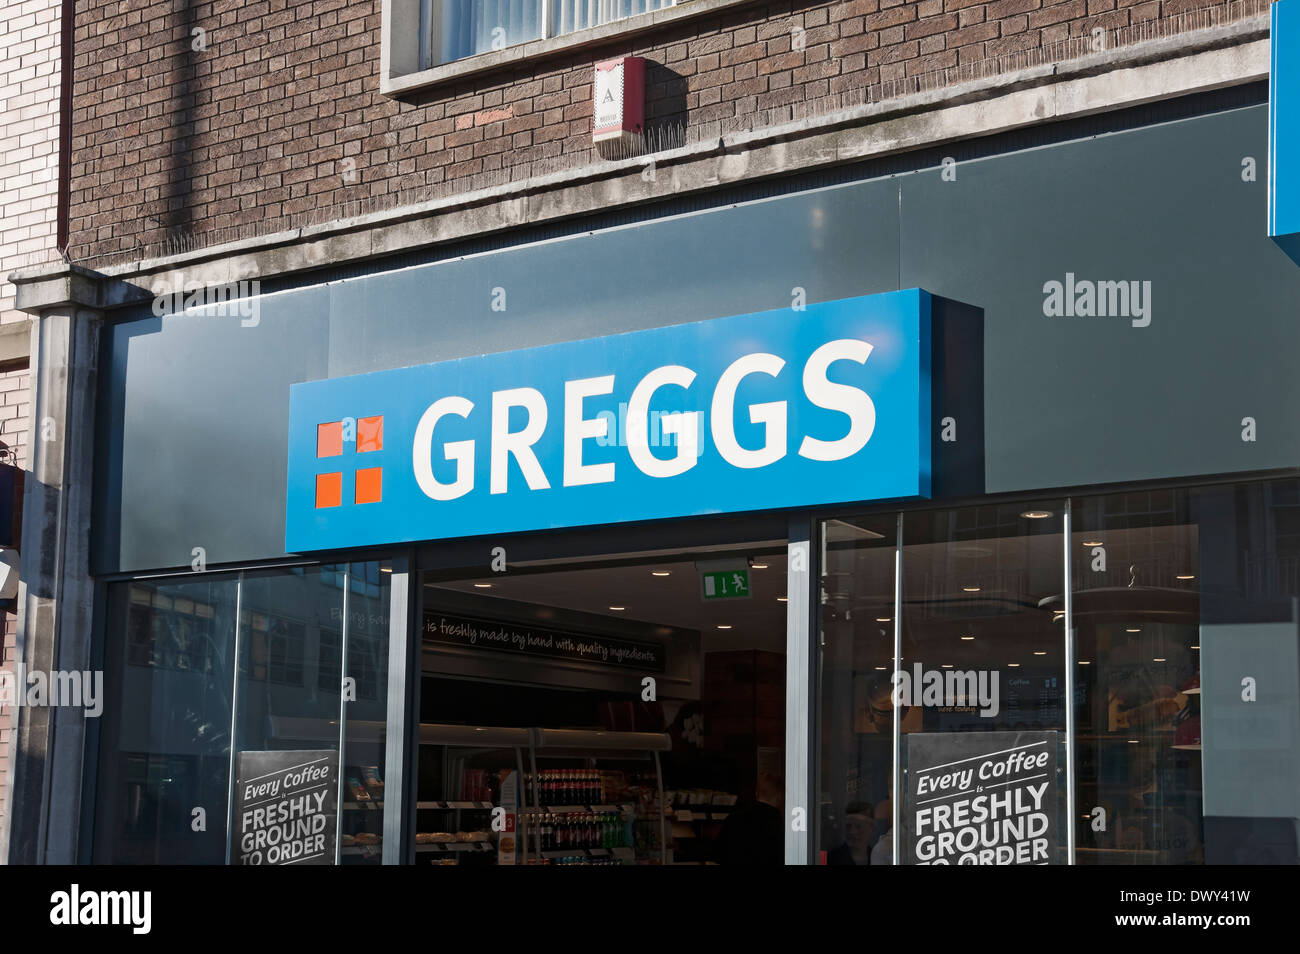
<point>981,798</point>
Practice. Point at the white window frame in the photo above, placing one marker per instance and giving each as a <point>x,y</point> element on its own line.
<point>405,49</point>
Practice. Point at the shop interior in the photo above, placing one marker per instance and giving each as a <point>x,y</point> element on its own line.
<point>632,710</point>
<point>982,594</point>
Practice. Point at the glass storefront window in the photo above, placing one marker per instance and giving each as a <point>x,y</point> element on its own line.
<point>981,654</point>
<point>1136,613</point>
<point>856,723</point>
<point>1186,610</point>
<point>165,733</point>
<point>1184,615</point>
<point>175,693</point>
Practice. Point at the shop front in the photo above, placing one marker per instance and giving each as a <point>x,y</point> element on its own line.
<point>888,517</point>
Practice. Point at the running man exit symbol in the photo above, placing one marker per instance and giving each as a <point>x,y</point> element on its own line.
<point>727,585</point>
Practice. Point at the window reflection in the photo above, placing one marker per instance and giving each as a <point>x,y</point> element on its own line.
<point>1186,664</point>
<point>170,676</point>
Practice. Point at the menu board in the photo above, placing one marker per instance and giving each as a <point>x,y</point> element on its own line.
<point>286,807</point>
<point>980,798</point>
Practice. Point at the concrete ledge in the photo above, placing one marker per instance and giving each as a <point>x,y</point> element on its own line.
<point>1110,80</point>
<point>57,285</point>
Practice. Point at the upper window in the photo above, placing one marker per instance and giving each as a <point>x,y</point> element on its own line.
<point>455,29</point>
<point>427,42</point>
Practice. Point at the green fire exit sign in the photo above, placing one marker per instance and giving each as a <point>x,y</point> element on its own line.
<point>726,585</point>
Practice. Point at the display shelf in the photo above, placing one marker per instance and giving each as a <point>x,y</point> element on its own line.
<point>453,806</point>
<point>578,852</point>
<point>445,846</point>
<point>622,808</point>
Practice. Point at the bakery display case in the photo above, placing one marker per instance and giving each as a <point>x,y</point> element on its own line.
<point>491,795</point>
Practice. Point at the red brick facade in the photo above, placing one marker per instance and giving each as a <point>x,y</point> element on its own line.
<point>281,114</point>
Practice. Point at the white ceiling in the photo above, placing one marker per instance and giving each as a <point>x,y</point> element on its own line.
<point>673,600</point>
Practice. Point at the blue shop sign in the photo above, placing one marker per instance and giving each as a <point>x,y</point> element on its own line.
<point>1284,127</point>
<point>782,409</point>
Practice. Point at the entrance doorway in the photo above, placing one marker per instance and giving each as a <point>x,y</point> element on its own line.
<point>628,709</point>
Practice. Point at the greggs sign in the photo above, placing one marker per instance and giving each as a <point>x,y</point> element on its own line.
<point>1284,127</point>
<point>783,409</point>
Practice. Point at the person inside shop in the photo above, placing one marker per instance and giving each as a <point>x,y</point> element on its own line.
<point>859,827</point>
<point>753,833</point>
<point>883,852</point>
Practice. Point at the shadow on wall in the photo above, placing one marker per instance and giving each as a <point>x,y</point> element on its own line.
<point>173,210</point>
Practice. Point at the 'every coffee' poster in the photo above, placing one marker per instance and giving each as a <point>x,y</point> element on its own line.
<point>980,798</point>
<point>286,807</point>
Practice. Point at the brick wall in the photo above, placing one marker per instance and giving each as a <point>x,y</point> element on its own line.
<point>281,114</point>
<point>29,135</point>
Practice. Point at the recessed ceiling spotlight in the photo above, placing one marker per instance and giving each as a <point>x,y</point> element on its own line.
<point>618,609</point>
<point>1133,629</point>
<point>758,566</point>
<point>724,626</point>
<point>661,572</point>
<point>1040,652</point>
<point>1134,741</point>
<point>881,668</point>
<point>1185,576</point>
<point>1036,514</point>
<point>882,619</point>
<point>1014,665</point>
<point>385,569</point>
<point>945,665</point>
<point>968,638</point>
<point>970,589</point>
<point>1085,662</point>
<point>1092,543</point>
<point>483,586</point>
<point>1193,647</point>
<point>783,599</point>
<point>1159,659</point>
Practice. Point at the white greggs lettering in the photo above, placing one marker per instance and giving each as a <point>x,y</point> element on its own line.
<point>853,402</point>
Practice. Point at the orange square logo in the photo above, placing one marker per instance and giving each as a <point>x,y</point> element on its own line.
<point>329,490</point>
<point>370,434</point>
<point>329,440</point>
<point>369,485</point>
